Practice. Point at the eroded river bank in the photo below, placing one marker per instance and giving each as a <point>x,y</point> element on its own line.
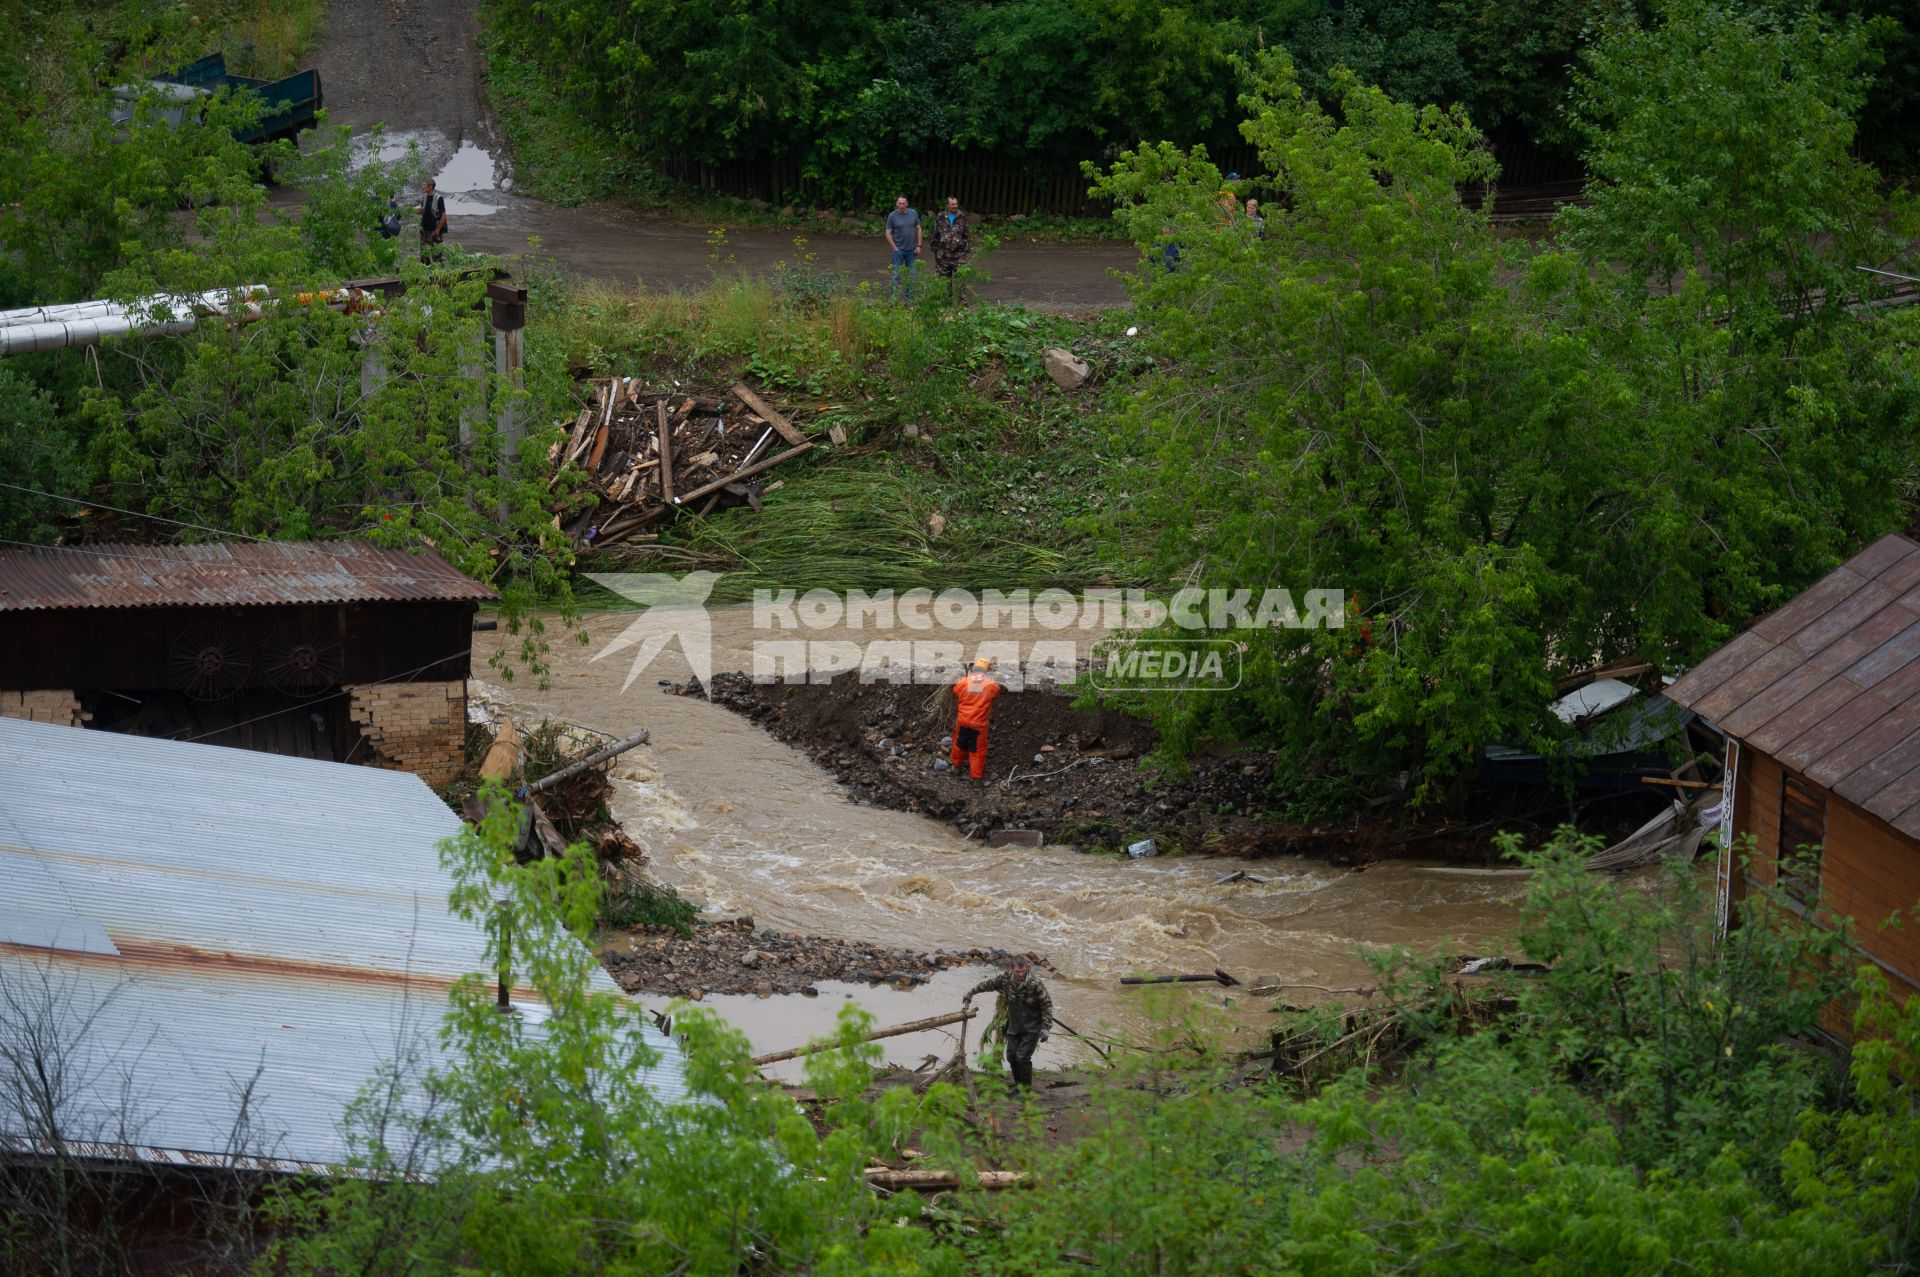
<point>745,824</point>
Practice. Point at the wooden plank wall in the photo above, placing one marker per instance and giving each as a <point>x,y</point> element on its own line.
<point>1760,793</point>
<point>1868,871</point>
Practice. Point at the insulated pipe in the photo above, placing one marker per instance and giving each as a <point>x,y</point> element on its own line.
<point>90,322</point>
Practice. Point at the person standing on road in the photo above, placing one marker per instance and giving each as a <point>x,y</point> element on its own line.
<point>433,221</point>
<point>974,694</point>
<point>952,244</point>
<point>1029,1009</point>
<point>903,242</point>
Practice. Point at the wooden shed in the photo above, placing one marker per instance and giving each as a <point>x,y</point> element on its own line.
<point>338,650</point>
<point>1820,703</point>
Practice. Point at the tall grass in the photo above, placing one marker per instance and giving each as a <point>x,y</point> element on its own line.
<point>952,421</point>
<point>736,325</point>
<point>867,527</point>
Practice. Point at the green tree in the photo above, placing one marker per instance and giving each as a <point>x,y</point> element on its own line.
<point>542,1144</point>
<point>1515,462</point>
<point>1356,401</point>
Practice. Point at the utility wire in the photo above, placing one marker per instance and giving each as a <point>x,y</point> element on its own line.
<point>137,514</point>
<point>325,697</point>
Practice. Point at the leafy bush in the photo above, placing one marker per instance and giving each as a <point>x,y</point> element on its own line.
<point>636,902</point>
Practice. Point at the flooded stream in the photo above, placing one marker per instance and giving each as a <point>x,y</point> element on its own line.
<point>744,824</point>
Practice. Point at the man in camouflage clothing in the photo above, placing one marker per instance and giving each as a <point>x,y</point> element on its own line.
<point>952,243</point>
<point>1029,1010</point>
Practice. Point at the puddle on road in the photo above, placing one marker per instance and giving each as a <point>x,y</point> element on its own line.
<point>470,180</point>
<point>468,177</point>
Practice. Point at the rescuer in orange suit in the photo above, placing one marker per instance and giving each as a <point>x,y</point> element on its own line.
<point>975,693</point>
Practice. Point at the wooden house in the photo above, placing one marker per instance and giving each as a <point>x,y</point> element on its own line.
<point>1820,704</point>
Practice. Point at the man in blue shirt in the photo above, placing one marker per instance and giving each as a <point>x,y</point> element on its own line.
<point>903,242</point>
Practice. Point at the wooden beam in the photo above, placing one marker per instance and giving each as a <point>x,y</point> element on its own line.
<point>931,1022</point>
<point>933,1181</point>
<point>772,414</point>
<point>666,452</point>
<point>756,468</point>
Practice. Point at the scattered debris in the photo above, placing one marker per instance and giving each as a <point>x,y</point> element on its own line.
<point>1238,875</point>
<point>648,454</point>
<point>1673,834</point>
<point>1144,848</point>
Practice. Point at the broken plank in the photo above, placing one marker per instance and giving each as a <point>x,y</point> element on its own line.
<point>577,438</point>
<point>743,473</point>
<point>599,449</point>
<point>666,453</point>
<point>772,414</point>
<point>626,534</point>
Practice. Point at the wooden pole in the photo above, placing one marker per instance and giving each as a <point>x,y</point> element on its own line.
<point>594,759</point>
<point>756,468</point>
<point>666,451</point>
<point>884,1177</point>
<point>1217,975</point>
<point>931,1022</point>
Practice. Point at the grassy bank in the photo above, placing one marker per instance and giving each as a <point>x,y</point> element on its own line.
<point>963,464</point>
<point>264,38</point>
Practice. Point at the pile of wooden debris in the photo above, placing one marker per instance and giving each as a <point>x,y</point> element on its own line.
<point>648,454</point>
<point>561,773</point>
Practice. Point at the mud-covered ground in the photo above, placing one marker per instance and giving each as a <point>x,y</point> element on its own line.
<point>734,957</point>
<point>1077,776</point>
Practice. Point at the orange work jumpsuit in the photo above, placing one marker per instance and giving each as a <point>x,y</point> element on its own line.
<point>975,694</point>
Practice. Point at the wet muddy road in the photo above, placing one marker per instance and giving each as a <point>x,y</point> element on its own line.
<point>745,824</point>
<point>414,67</point>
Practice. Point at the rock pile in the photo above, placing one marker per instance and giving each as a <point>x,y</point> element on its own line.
<point>733,957</point>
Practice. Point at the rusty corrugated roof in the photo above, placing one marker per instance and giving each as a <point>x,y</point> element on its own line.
<point>228,574</point>
<point>207,916</point>
<point>1830,683</point>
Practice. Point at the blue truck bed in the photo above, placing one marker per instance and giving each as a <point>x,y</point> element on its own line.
<point>289,104</point>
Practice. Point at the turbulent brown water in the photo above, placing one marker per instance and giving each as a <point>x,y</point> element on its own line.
<point>744,824</point>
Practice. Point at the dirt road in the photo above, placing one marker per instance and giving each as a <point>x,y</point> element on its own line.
<point>414,66</point>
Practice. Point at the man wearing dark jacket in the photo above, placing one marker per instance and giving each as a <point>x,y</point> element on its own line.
<point>433,221</point>
<point>1029,1016</point>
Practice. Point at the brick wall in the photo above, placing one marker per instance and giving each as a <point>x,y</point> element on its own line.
<point>53,705</point>
<point>415,727</point>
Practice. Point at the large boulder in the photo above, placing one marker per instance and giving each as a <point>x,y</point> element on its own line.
<point>1068,370</point>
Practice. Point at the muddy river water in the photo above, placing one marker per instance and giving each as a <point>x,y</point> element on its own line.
<point>744,824</point>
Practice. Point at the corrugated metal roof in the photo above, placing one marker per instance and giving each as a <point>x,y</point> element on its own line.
<point>269,913</point>
<point>238,573</point>
<point>1830,683</point>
